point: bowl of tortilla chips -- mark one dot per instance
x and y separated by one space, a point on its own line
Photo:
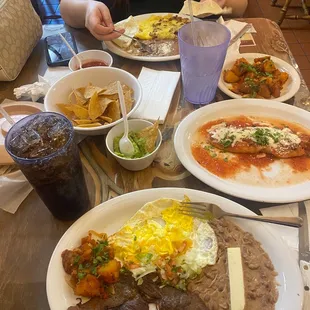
89 98
146 139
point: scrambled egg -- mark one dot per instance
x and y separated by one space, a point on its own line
160 27
157 237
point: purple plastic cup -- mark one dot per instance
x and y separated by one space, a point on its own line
202 65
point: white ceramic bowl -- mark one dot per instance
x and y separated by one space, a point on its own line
98 76
91 55
135 164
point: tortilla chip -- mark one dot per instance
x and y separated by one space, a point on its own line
79 111
111 89
83 121
89 125
94 107
81 90
90 90
79 97
128 92
65 109
113 111
107 119
150 135
104 102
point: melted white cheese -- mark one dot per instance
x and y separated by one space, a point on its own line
284 137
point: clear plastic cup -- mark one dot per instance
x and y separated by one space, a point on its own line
43 147
202 65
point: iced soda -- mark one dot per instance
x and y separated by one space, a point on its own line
43 147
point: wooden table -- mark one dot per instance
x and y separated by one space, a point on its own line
28 237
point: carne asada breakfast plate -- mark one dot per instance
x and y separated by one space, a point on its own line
254 149
110 216
164 41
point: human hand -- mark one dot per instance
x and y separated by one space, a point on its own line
99 22
221 3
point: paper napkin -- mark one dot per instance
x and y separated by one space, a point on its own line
157 88
55 74
205 8
288 234
14 188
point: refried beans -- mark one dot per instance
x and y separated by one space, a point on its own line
212 285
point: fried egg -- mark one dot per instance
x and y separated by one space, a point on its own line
159 238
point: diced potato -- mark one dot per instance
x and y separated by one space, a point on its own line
275 90
261 59
230 77
264 91
88 287
110 271
238 68
269 66
283 77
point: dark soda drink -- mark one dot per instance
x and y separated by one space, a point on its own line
43 147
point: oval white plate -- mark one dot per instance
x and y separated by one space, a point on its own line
111 215
290 88
120 52
237 107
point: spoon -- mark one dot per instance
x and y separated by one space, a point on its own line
72 51
9 121
125 145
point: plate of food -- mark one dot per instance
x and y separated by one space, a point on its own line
254 75
250 148
137 251
156 30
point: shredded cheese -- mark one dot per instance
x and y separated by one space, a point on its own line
262 135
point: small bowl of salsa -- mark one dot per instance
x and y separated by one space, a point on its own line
91 58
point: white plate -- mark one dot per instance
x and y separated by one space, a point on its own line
237 107
111 215
290 88
120 52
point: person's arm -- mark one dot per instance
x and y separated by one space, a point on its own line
90 14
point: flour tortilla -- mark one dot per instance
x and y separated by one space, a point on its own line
131 28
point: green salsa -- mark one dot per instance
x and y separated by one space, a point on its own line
139 145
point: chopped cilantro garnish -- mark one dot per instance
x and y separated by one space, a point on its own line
93 270
81 275
135 238
80 267
76 259
226 159
97 249
261 137
104 242
144 258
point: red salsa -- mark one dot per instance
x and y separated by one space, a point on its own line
93 63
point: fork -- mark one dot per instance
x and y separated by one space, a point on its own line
208 211
142 45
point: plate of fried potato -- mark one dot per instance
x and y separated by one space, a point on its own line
89 98
254 75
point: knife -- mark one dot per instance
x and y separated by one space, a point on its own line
304 253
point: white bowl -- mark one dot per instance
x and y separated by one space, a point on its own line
98 76
91 55
133 164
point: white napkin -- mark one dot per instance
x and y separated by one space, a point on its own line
205 8
158 88
288 234
234 27
33 91
14 188
55 74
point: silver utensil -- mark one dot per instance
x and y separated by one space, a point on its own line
207 211
142 45
240 34
304 252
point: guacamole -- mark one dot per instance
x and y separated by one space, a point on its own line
139 145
